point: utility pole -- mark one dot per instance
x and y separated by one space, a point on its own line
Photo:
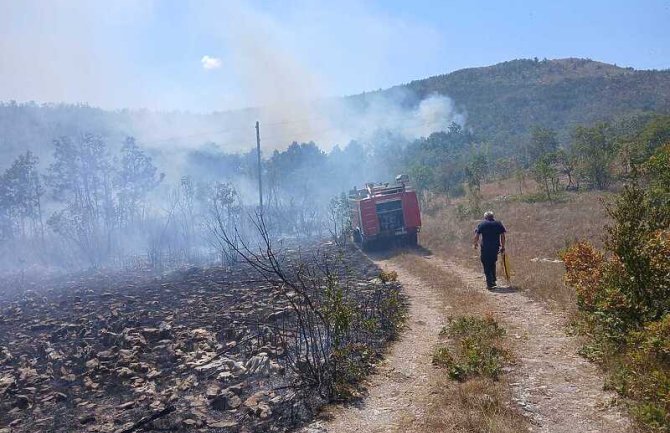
260 171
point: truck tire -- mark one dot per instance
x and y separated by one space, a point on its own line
412 239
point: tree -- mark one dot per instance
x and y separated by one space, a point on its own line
223 221
81 177
20 198
543 141
476 171
595 150
545 174
339 219
135 179
567 163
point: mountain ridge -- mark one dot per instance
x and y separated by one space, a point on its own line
502 102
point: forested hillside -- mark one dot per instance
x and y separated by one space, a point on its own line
503 102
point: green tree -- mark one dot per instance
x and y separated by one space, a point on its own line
20 198
543 141
544 173
136 177
595 149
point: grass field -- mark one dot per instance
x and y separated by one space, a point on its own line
537 231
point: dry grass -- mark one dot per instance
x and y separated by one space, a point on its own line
479 404
450 286
536 233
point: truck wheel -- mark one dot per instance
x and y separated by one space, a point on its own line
357 236
412 239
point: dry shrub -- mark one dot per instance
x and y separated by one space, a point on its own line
584 271
386 276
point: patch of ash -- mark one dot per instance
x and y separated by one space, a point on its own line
100 353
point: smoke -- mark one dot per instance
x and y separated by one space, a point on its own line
278 67
288 65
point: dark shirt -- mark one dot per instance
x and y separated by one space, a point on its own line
490 232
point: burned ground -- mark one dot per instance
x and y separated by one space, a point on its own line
203 347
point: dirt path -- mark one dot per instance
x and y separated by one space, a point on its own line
401 388
559 390
554 386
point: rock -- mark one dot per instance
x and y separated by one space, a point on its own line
258 364
256 405
127 405
216 424
218 364
212 391
6 381
23 402
277 315
235 389
106 355
152 374
193 421
263 411
90 384
224 376
226 401
151 334
236 367
87 419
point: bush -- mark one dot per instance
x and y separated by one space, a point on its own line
477 348
583 264
624 295
388 276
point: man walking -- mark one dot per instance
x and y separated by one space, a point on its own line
492 234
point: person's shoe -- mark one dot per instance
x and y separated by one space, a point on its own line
491 288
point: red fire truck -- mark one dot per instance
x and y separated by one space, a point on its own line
384 212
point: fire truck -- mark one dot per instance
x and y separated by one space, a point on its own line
384 213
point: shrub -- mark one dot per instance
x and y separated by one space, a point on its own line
583 264
624 296
477 348
388 276
642 373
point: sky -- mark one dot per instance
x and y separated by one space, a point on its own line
204 55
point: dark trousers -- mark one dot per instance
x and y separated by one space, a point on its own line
489 259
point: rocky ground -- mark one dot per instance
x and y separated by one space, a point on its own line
197 349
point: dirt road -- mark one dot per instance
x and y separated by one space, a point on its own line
552 385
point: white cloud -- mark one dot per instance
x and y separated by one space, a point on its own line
210 62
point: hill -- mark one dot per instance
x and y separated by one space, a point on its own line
503 101
500 103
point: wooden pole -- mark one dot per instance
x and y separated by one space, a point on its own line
260 168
